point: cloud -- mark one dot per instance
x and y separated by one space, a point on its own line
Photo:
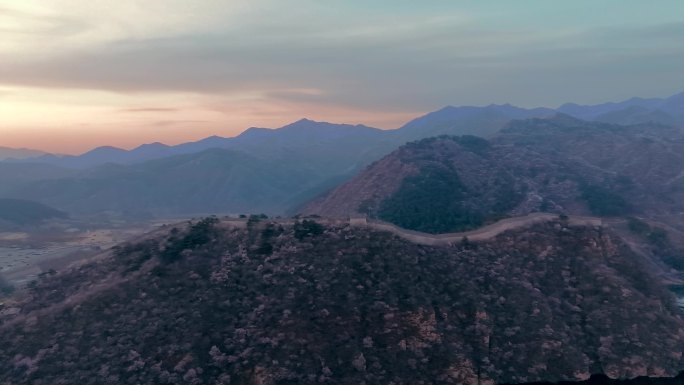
149 109
165 123
25 23
389 61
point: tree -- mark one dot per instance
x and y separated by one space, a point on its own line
5 287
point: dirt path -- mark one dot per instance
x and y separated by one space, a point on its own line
481 234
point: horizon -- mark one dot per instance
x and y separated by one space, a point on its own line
240 131
77 75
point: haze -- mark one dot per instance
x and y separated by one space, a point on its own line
75 74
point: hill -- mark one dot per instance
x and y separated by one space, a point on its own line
23 212
635 110
13 175
212 181
277 303
468 120
557 164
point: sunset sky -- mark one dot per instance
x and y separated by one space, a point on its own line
75 74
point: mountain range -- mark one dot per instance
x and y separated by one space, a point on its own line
481 121
321 300
274 171
19 153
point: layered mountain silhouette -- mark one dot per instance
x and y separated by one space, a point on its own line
659 110
303 133
276 170
450 120
22 212
18 153
300 301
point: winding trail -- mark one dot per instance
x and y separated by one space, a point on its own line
482 233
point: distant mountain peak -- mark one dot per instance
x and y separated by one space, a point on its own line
155 145
103 149
305 120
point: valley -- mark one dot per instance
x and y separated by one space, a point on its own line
25 256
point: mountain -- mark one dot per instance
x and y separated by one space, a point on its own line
559 164
305 303
212 181
448 184
23 212
480 121
636 115
467 120
273 171
260 171
18 153
659 110
106 154
13 175
299 135
316 155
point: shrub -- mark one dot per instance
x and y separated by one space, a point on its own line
307 228
602 201
5 287
431 202
637 226
198 235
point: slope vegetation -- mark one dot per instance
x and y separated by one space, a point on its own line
23 212
559 165
272 303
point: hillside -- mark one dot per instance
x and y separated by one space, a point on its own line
23 212
259 171
213 181
281 303
13 175
557 164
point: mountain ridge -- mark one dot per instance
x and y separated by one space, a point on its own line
455 120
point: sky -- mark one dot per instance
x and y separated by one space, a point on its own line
76 74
